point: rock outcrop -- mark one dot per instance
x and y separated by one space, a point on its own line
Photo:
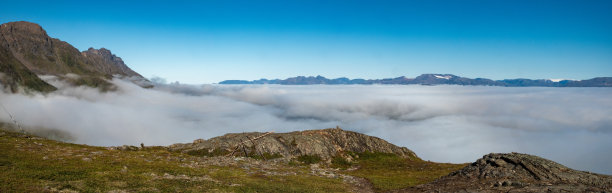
325 143
106 62
26 51
515 172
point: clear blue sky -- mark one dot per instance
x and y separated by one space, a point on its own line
210 41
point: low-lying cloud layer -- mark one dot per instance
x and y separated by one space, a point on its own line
572 126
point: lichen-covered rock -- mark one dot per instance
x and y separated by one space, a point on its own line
516 172
325 143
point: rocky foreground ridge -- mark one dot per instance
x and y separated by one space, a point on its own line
325 143
349 162
510 172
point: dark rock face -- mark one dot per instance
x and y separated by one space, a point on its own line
106 62
517 172
325 143
27 51
14 68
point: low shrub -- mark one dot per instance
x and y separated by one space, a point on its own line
309 159
340 162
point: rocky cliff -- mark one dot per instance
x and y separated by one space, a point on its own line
26 51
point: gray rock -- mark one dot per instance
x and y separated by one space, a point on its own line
515 172
325 143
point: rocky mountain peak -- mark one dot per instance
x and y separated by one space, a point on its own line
23 27
108 63
104 54
435 77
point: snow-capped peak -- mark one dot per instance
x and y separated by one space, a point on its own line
443 77
557 79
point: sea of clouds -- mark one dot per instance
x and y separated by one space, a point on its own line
572 126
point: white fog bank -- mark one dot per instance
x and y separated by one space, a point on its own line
572 126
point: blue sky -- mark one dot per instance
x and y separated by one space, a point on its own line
211 41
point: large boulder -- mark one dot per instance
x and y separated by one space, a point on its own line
516 172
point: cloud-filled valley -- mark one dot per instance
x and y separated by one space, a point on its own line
572 126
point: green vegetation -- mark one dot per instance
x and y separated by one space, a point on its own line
208 152
309 159
222 152
387 171
31 164
340 162
94 82
265 156
15 74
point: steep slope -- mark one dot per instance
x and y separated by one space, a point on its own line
26 49
13 74
515 172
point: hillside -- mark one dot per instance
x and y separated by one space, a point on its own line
33 164
27 52
325 143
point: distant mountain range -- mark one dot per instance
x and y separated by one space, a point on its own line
434 79
27 53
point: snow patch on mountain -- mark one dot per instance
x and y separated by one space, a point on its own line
443 77
557 79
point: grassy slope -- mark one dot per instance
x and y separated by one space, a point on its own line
27 166
14 73
390 172
32 164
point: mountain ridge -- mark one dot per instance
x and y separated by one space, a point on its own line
433 79
27 51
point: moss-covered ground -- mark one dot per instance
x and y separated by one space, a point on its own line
34 164
390 172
